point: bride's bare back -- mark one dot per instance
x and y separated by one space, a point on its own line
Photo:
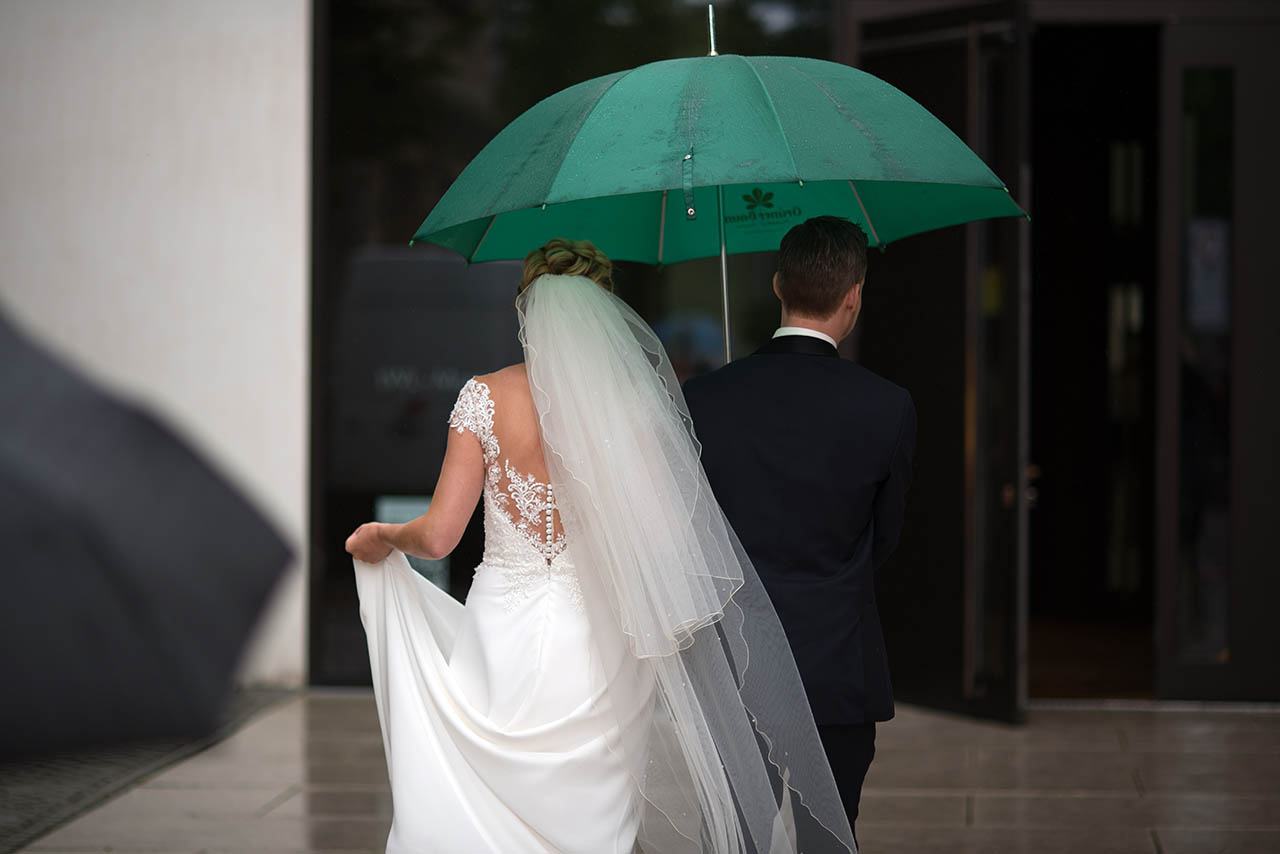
515 420
515 466
493 437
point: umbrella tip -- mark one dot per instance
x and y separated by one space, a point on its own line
711 28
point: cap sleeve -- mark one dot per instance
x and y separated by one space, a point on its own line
473 411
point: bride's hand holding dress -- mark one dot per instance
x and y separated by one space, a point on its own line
436 533
366 544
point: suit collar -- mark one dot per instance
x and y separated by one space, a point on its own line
803 344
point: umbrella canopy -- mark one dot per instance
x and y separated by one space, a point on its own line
133 573
691 158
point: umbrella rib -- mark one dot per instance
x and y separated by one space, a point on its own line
483 237
662 227
586 117
883 154
866 216
795 170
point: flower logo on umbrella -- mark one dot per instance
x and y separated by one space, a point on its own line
757 199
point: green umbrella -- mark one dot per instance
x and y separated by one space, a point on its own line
715 155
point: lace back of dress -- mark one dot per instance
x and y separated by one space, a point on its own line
515 473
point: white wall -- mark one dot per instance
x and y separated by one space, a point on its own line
154 206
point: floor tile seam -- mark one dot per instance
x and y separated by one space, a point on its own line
102 830
169 849
1241 753
287 793
1021 749
261 717
1067 704
983 828
316 786
979 827
961 791
1144 739
251 758
1207 828
1216 828
1215 798
1140 783
384 818
1162 746
1125 794
216 759
187 785
270 772
988 824
345 819
338 692
1235 793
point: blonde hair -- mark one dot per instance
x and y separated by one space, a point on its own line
568 258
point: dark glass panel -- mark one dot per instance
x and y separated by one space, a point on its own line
1204 509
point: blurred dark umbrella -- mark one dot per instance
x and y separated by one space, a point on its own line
133 572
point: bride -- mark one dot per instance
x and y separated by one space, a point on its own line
617 680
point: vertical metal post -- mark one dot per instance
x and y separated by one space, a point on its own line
1022 588
974 565
724 260
724 273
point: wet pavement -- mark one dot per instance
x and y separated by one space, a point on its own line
309 775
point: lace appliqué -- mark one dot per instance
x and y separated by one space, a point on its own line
524 581
474 411
524 547
535 503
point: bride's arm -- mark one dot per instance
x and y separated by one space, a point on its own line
435 533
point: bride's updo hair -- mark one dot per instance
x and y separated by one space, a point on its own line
568 258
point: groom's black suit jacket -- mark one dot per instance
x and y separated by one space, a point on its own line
810 457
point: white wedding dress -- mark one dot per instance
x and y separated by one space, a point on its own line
496 717
618 678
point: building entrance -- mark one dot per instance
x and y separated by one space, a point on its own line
1094 273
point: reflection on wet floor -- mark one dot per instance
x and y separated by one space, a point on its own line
310 775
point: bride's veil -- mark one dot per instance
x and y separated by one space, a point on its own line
710 707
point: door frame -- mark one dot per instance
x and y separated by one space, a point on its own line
1223 43
917 24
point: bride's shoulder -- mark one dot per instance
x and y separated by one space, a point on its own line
506 380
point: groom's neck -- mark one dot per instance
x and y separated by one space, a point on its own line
833 326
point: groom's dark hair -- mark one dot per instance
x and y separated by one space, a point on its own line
818 261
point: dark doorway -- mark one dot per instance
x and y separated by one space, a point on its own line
944 318
1095 92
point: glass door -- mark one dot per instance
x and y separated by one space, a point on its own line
1217 467
946 316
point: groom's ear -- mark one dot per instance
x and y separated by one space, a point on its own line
776 292
854 297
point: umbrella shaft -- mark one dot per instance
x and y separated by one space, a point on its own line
724 274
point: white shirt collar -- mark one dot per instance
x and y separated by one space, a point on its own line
804 330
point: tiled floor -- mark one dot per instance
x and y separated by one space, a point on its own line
309 775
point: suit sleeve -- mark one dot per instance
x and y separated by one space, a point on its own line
891 497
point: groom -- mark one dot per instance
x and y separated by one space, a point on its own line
810 457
